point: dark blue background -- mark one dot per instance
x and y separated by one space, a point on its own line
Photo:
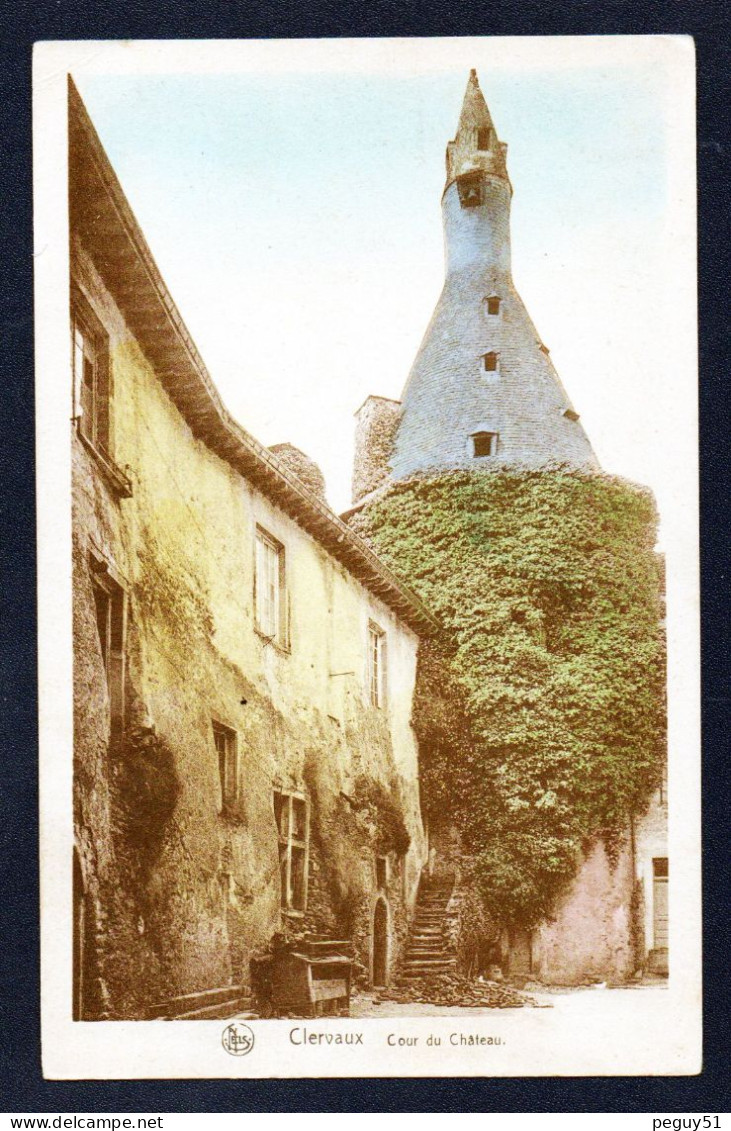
21 23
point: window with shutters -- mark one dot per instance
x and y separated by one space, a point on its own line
291 813
90 363
224 740
109 606
270 593
376 665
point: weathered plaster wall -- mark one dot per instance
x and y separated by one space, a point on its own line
188 893
591 936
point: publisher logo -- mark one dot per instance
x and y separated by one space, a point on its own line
237 1039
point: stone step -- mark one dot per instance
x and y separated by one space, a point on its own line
427 964
412 975
425 955
237 1007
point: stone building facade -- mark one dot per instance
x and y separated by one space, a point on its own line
484 396
243 668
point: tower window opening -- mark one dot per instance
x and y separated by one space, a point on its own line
484 444
492 304
490 362
470 190
483 138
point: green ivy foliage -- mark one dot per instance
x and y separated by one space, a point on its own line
541 709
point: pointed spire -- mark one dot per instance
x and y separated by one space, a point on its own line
475 145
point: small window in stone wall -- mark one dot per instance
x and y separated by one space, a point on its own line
224 739
292 819
270 589
484 444
490 362
111 623
90 364
377 665
492 305
382 872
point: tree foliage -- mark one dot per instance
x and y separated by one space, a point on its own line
540 710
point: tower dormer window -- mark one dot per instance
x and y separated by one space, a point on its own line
483 138
492 305
484 444
490 362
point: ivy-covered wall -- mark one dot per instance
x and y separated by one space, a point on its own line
541 710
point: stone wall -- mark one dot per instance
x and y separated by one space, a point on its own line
591 937
304 468
179 894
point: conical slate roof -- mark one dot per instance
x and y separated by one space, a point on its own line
483 392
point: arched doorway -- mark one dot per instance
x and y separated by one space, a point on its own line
380 943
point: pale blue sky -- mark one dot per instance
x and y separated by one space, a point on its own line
296 219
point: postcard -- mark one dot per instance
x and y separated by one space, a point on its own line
368 557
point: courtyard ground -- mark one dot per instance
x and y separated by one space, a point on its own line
577 1002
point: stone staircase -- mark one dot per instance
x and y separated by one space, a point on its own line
427 952
205 1005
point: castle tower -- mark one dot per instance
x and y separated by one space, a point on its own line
482 390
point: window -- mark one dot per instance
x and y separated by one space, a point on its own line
492 305
292 818
90 362
483 138
376 665
469 188
490 362
269 586
110 611
224 739
660 867
382 872
484 444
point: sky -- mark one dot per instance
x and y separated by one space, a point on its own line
290 193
